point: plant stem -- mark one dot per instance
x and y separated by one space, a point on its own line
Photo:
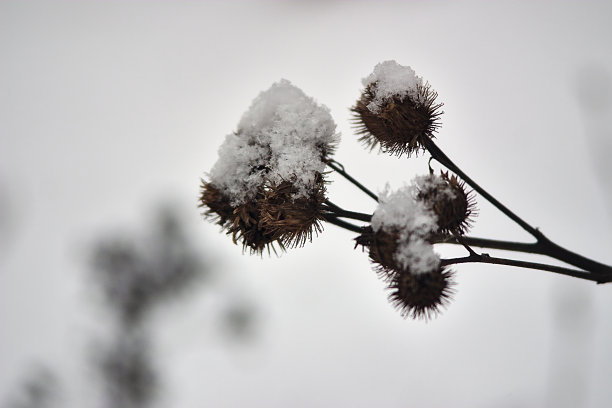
485 258
543 246
339 168
439 155
339 212
494 244
342 224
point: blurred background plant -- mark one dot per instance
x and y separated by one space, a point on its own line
133 275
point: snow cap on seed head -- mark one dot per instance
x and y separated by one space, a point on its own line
267 185
396 110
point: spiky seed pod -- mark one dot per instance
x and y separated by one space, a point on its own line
452 203
402 124
421 296
382 247
289 218
241 222
247 228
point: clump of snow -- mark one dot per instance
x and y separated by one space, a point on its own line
391 79
400 212
432 182
282 137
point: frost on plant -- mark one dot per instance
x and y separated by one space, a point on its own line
267 189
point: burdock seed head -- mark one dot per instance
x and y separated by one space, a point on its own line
241 221
396 111
449 200
421 296
291 219
267 185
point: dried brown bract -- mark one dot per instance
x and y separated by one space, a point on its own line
241 222
402 123
217 205
289 218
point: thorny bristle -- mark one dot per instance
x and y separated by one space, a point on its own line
247 228
402 124
217 205
421 296
292 221
454 212
241 222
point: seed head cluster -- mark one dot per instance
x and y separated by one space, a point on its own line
267 190
400 239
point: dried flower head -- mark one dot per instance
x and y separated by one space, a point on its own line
421 296
242 221
448 198
267 185
396 111
405 224
289 219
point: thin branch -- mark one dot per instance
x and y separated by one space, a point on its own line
531 248
599 278
342 224
339 168
339 212
544 247
441 157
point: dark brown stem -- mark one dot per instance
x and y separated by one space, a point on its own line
543 245
485 258
441 157
339 168
341 223
339 212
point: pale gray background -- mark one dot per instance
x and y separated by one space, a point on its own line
106 108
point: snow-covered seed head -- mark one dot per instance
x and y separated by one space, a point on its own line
292 221
449 199
396 111
421 296
267 185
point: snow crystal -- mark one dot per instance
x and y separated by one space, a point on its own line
280 138
391 79
401 212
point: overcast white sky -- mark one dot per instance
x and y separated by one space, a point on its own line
108 108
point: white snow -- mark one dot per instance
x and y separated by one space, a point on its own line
391 79
400 211
279 138
434 182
